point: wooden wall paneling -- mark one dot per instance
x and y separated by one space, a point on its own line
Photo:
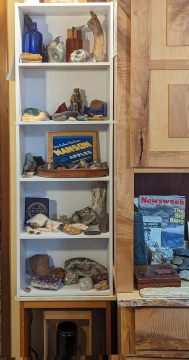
140 35
124 177
178 116
177 22
126 330
4 196
162 329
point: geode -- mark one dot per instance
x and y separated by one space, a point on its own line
48 282
84 267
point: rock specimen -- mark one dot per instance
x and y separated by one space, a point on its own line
84 267
104 223
86 215
79 56
96 278
71 278
86 283
102 285
60 272
40 264
33 114
46 282
56 50
69 229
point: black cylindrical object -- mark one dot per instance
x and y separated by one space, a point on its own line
66 338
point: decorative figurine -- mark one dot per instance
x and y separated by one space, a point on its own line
98 46
76 100
56 50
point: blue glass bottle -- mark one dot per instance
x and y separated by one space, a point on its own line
33 40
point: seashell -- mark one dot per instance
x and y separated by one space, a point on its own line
71 118
53 225
37 221
29 230
56 50
79 56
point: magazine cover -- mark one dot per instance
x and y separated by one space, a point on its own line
172 211
152 231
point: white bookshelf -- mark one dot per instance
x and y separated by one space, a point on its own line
45 86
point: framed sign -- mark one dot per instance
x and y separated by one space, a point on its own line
71 147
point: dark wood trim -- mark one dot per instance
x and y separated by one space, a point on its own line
4 195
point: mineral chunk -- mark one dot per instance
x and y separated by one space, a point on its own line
102 285
72 230
50 282
86 283
71 278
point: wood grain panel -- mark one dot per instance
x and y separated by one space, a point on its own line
178 115
177 22
124 182
126 330
140 12
181 64
161 329
169 159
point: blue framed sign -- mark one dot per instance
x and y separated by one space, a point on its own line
71 147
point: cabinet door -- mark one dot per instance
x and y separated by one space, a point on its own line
161 329
159 126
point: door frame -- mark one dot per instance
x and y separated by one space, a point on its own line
4 187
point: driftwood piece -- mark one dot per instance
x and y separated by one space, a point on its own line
98 196
98 46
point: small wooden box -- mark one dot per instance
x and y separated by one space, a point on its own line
83 320
160 275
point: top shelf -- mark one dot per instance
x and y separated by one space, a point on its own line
64 9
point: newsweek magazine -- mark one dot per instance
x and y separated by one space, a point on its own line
172 211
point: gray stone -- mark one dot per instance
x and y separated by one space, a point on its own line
176 261
184 274
86 283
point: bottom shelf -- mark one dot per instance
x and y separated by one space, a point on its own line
63 290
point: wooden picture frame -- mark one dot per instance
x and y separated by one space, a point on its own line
72 146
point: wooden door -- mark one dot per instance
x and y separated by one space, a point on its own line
159 97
